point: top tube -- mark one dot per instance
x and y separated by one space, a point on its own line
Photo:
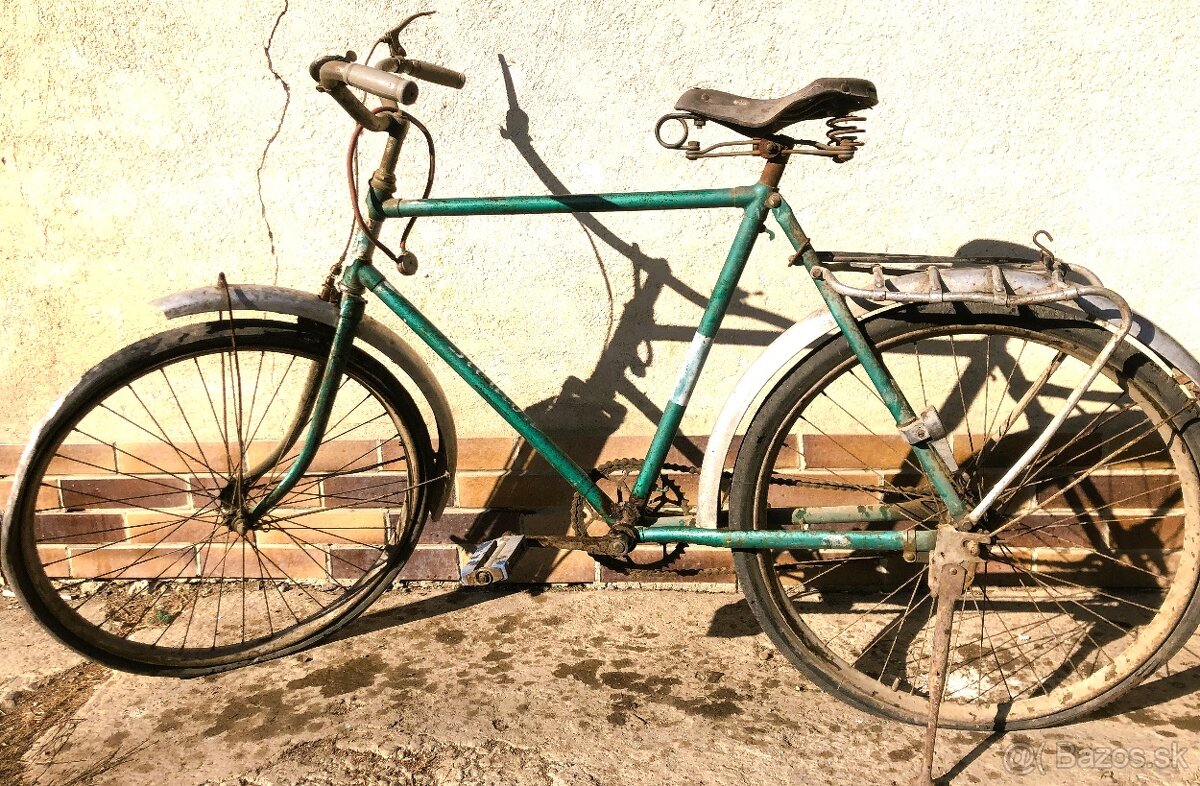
741 196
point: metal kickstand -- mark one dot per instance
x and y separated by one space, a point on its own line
951 570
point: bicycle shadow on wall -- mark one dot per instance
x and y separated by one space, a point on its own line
603 399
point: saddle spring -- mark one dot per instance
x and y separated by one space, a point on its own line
843 136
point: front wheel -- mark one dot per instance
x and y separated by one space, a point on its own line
1089 582
128 538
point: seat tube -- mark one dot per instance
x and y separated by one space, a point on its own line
879 374
735 262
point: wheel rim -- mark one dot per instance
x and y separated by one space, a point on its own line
138 541
1065 608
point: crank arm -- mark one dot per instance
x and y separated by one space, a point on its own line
611 545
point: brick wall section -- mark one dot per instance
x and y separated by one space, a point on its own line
501 488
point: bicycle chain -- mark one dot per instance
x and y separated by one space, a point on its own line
578 520
579 505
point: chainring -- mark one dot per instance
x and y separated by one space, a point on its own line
617 478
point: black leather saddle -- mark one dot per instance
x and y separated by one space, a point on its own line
760 117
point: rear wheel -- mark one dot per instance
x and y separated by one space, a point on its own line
1090 581
127 535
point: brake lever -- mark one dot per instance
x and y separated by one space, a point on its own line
392 37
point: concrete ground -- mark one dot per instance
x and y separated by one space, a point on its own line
558 687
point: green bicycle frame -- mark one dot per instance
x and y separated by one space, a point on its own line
756 202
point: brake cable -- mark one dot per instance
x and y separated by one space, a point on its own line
351 158
329 291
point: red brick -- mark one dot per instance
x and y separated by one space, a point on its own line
431 565
70 460
512 491
1107 445
47 499
1153 531
856 451
460 526
1157 492
304 495
553 566
79 528
349 563
336 456
783 495
154 528
546 523
514 455
486 453
127 493
323 527
133 562
1132 568
1047 529
160 458
210 457
691 564
438 564
395 454
365 491
82 459
10 456
278 562
55 561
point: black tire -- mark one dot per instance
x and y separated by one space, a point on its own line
125 535
1065 597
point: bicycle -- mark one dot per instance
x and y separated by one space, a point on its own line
922 549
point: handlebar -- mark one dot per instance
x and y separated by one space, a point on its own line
333 74
378 83
433 73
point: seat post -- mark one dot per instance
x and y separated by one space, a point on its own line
773 171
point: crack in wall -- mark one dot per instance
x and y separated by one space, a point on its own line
287 100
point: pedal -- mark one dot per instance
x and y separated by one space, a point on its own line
492 560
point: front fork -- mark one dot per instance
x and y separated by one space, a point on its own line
350 315
320 389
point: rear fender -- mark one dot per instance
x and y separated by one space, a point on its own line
797 342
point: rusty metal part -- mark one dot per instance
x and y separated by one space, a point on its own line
952 566
844 137
666 498
617 543
927 427
392 37
771 175
843 141
683 118
1047 256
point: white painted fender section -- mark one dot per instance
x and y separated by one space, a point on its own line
794 344
295 303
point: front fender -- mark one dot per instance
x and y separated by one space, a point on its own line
794 344
295 303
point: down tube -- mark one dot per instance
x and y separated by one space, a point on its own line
503 405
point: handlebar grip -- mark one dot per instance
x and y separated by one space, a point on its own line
376 82
434 73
